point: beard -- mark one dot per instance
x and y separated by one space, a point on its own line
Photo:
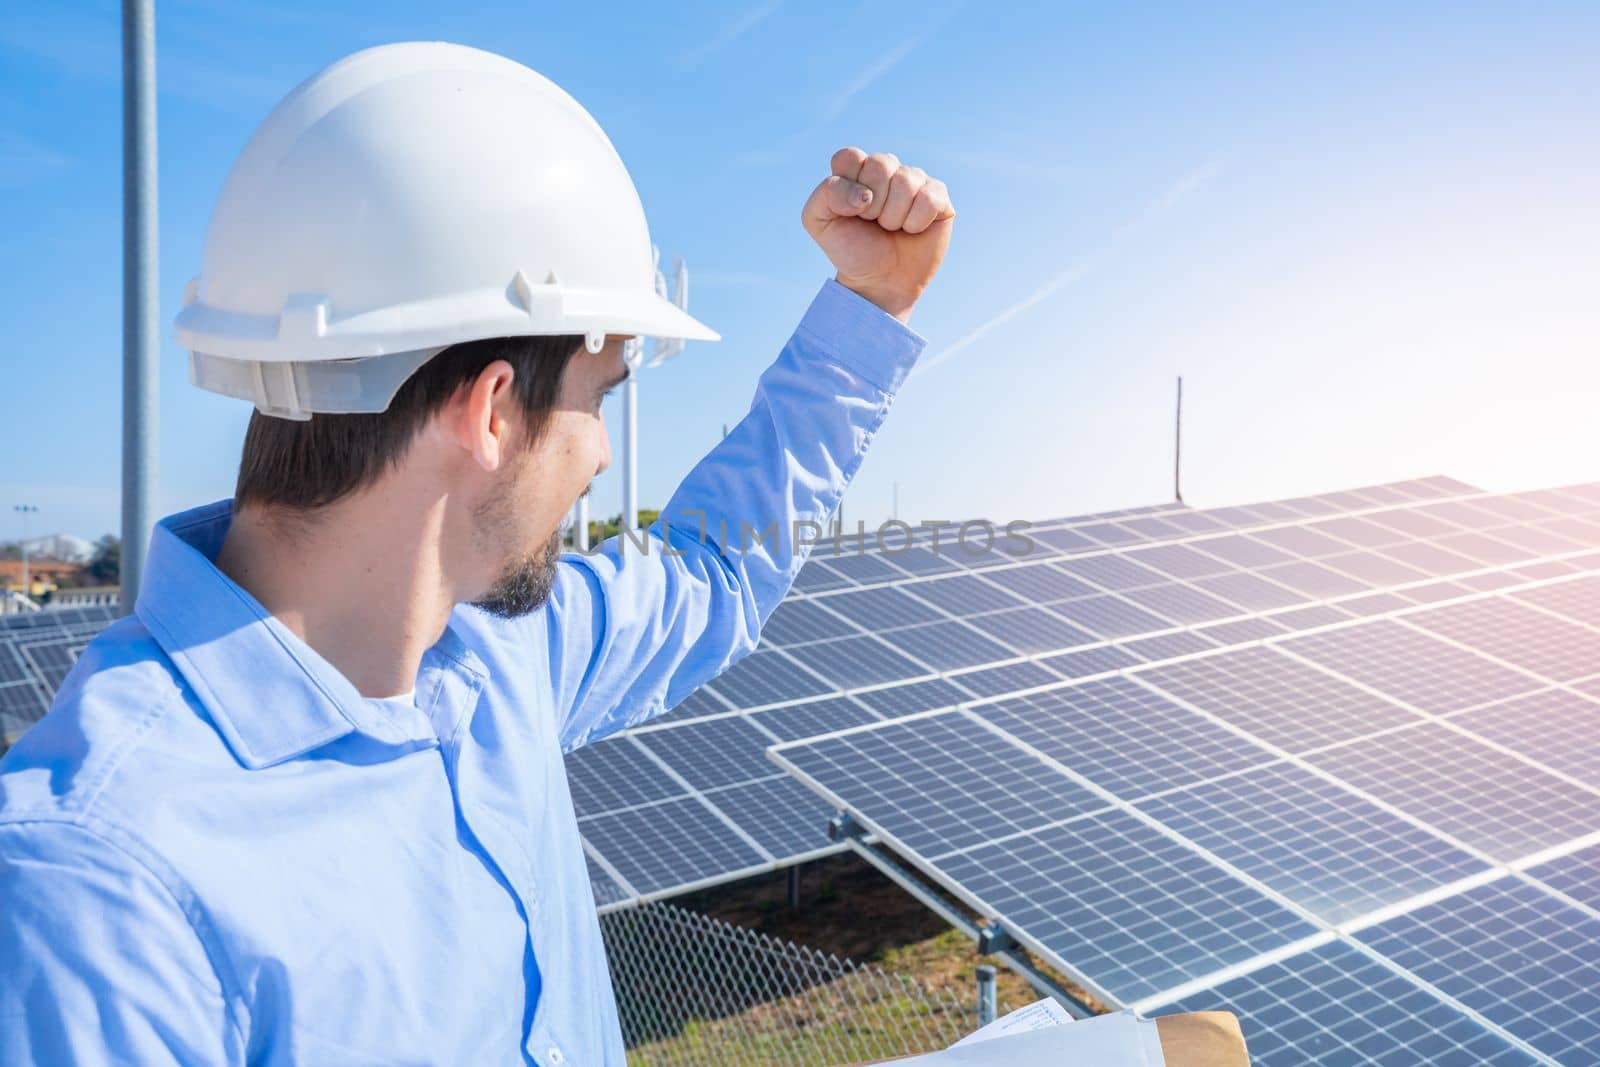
525 583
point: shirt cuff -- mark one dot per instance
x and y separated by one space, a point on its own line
861 336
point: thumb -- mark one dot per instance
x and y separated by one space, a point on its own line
834 197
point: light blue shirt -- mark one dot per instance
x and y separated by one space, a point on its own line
214 850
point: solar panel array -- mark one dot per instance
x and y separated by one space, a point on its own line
872 632
37 649
1367 819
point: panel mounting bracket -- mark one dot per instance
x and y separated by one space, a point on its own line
993 938
842 827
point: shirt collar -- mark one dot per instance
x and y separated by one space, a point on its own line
271 695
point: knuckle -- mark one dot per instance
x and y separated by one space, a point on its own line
849 156
904 179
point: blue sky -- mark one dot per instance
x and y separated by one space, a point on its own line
1366 237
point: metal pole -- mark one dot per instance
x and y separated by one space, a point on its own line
1177 448
140 298
986 1002
632 351
581 536
794 888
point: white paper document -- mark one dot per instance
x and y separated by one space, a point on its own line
1043 1035
1036 1016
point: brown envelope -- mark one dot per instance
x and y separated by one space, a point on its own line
1202 1039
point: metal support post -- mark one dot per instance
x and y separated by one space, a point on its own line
140 296
986 1000
794 888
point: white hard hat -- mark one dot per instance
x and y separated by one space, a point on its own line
405 199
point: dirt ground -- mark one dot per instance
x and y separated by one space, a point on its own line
850 909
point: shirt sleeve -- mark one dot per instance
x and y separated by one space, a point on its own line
639 624
98 963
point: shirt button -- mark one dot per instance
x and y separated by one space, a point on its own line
555 1056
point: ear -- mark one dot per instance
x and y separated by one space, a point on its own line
483 419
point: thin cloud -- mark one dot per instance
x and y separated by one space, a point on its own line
1164 202
731 33
883 65
1060 281
1179 191
836 107
24 161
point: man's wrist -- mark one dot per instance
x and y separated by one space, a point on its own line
895 303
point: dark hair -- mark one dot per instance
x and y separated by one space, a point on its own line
310 464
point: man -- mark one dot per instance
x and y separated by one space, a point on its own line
308 804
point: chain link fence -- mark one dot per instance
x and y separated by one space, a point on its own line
696 990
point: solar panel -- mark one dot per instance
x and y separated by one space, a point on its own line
1111 572
780 814
940 783
823 716
1040 583
851 662
880 609
1124 737
1242 550
1557 728
1008 678
1521 958
963 594
1168 646
1487 798
1031 629
1277 698
1087 661
796 622
767 677
710 753
1179 561
1410 666
1522 636
1320 845
1135 911
671 845
1181 603
1311 617
1250 592
1577 874
607 890
914 697
947 645
1334 1006
615 774
1313 580
1110 616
